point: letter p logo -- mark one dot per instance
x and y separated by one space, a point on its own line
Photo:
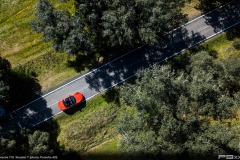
221 156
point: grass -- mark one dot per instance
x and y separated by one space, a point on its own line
108 147
87 125
106 150
220 46
24 48
93 123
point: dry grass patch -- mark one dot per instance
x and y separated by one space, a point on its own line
82 133
51 79
106 150
88 125
190 10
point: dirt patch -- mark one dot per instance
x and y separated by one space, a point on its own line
86 153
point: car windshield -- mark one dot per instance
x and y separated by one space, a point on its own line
69 101
73 99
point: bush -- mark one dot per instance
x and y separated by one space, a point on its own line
236 43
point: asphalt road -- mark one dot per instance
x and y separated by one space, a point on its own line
125 67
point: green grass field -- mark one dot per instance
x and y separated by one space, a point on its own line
221 46
107 149
24 48
88 125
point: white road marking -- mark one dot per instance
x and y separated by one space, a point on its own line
147 68
119 57
78 78
124 55
198 17
115 59
47 119
31 113
166 59
199 42
35 112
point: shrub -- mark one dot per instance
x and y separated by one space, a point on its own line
236 43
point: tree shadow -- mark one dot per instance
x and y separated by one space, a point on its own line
100 56
125 67
207 48
117 71
23 88
233 33
82 62
209 5
224 17
112 95
25 107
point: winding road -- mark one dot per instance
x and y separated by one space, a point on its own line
124 67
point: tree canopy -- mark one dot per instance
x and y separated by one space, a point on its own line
4 87
179 112
107 23
206 5
24 142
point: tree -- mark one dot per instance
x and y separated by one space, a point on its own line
107 23
236 43
214 140
39 143
139 140
206 5
3 91
4 87
14 142
231 75
181 111
24 142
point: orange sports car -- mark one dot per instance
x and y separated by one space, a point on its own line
70 101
